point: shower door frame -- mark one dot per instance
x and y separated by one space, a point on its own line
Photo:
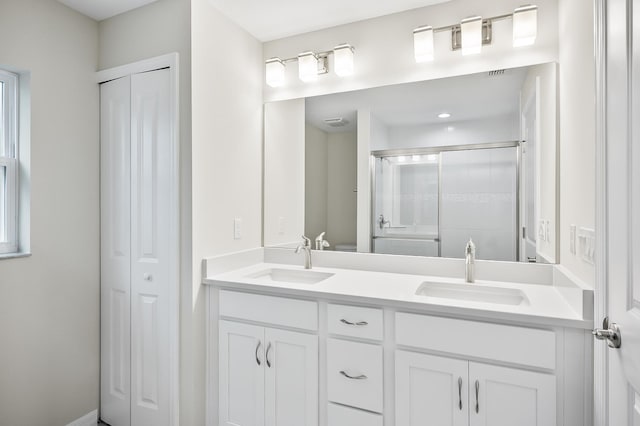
437 150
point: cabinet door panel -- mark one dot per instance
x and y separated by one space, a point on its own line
430 390
507 397
241 349
291 378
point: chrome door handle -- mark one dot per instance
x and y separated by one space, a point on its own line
477 392
359 323
257 349
609 332
348 376
266 355
460 393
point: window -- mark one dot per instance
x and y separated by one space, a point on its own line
8 162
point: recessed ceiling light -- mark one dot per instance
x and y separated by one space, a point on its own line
444 115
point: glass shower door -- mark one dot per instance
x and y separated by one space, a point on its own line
406 205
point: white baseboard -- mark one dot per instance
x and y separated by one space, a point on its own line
90 419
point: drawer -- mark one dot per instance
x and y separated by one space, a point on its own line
355 321
520 345
354 374
282 311
339 415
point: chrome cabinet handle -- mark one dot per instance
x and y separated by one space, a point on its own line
477 391
359 323
460 393
360 377
257 349
266 355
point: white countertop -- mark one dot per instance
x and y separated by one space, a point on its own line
546 305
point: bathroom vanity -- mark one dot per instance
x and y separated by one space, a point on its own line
355 342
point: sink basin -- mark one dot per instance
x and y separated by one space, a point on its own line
473 293
291 276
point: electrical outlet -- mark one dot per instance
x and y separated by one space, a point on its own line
547 230
237 228
572 239
542 232
587 238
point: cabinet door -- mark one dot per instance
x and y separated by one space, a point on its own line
430 390
241 349
291 378
500 396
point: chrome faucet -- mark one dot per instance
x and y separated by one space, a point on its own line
306 246
470 262
321 243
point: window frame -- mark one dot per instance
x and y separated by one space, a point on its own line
9 160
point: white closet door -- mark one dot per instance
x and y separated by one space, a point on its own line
151 161
115 270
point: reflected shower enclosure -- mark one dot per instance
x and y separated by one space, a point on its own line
431 201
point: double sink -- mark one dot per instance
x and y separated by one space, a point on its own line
459 291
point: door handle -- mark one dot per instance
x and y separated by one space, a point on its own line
477 392
609 332
266 355
257 349
460 393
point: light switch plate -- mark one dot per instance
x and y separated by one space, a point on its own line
281 225
237 228
587 239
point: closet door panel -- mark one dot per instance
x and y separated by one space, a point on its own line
150 246
115 268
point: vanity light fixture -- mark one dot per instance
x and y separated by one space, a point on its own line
307 67
274 72
525 25
423 44
311 64
343 59
472 33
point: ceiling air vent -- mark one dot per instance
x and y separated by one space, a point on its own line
496 73
335 122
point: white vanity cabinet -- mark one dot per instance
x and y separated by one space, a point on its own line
461 392
283 361
452 392
267 376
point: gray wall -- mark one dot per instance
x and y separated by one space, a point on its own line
49 302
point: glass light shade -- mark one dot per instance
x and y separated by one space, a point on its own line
307 67
423 44
274 72
525 25
471 37
343 60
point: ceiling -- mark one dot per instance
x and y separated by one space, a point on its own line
273 19
103 9
470 97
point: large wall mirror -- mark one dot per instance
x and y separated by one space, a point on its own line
419 168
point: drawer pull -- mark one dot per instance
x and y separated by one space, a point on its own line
257 349
460 393
360 377
477 391
359 323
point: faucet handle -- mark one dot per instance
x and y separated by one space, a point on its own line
470 247
306 241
